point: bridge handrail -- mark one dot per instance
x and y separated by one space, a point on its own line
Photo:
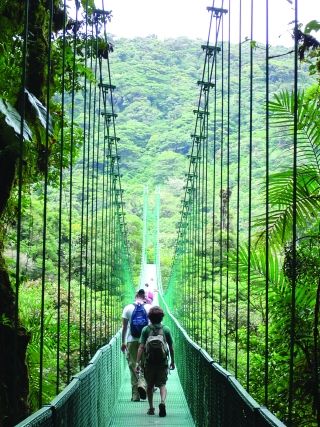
213 394
91 395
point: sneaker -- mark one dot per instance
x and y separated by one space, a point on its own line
150 411
162 410
135 398
142 392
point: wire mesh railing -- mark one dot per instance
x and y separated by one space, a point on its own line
90 397
214 396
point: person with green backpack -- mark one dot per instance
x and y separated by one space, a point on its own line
155 345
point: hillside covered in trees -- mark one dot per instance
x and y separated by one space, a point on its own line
156 94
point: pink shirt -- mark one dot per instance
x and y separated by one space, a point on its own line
149 297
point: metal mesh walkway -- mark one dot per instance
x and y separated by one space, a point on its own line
135 413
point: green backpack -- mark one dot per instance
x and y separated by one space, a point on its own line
156 347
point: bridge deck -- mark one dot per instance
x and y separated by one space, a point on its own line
135 413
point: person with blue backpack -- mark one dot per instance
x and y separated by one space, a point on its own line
134 319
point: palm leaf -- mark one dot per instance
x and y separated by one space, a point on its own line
282 110
281 185
279 286
259 274
281 210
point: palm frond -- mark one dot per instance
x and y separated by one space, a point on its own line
256 270
278 225
282 110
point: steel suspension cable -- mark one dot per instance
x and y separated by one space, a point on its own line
250 196
104 245
87 117
294 223
70 219
228 191
59 272
220 196
91 193
238 190
95 191
83 230
213 273
102 192
19 198
266 368
107 121
45 212
205 220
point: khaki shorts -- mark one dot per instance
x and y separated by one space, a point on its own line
155 375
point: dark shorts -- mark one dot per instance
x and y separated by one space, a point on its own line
155 375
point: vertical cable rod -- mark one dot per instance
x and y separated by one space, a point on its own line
266 366
221 197
70 222
238 191
91 167
249 196
45 211
20 195
60 207
95 181
294 222
228 192
83 237
87 129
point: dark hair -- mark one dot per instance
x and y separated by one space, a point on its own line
156 314
141 293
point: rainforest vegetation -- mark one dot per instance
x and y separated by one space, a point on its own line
156 93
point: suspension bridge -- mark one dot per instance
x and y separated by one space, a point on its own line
100 394
228 280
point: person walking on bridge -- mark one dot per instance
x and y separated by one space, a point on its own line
154 343
134 318
149 294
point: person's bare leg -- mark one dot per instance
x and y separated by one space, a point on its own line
163 393
150 395
162 406
150 399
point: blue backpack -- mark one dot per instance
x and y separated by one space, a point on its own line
139 320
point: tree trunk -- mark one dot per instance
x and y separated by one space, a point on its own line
14 381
